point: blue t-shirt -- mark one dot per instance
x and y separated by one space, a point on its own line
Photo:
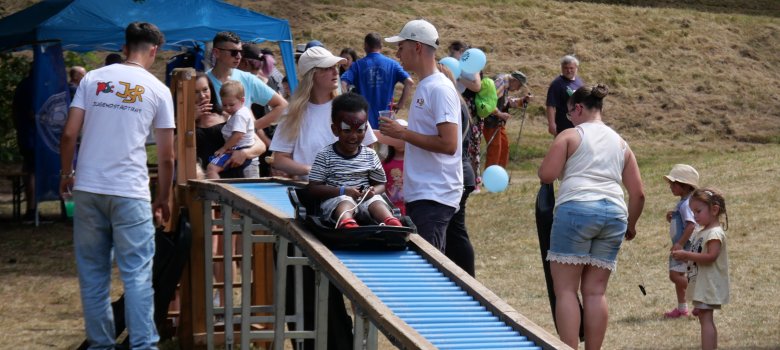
255 90
374 77
558 96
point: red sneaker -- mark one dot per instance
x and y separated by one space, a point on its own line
392 221
676 313
348 223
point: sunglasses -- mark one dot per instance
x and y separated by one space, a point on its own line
233 53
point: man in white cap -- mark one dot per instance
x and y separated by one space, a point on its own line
433 174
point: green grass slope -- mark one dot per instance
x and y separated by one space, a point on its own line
685 72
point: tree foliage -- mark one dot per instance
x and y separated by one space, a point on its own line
12 69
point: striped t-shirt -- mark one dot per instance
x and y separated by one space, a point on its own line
335 169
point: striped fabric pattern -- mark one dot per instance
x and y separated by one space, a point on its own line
336 169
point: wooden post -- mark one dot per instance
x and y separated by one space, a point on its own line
191 293
263 277
192 319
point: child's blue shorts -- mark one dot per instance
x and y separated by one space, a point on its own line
223 158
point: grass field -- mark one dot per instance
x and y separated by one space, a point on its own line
40 292
694 82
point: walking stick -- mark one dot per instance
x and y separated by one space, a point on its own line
517 142
494 134
522 121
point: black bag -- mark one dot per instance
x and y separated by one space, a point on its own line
492 122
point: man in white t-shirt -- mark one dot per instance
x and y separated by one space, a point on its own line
433 172
227 55
114 109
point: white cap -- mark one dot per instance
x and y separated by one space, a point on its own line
317 57
417 30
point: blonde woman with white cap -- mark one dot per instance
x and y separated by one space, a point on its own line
683 179
304 128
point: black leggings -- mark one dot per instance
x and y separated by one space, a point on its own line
458 247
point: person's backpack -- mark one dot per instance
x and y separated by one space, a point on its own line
486 98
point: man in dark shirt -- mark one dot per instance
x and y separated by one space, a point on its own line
375 77
558 95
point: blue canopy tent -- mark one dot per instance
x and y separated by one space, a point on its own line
50 26
95 25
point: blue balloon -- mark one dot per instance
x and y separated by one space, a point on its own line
452 64
495 178
472 61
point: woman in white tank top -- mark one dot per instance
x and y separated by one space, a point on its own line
591 217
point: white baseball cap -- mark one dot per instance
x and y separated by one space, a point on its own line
417 30
318 57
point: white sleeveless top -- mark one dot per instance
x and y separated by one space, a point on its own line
595 169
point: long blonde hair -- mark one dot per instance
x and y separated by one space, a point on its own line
299 102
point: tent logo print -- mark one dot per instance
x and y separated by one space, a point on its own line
105 88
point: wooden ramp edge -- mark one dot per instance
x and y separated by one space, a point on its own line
396 330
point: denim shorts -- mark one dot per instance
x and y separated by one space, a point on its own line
679 265
588 232
678 226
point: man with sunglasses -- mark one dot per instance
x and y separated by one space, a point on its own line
226 54
433 174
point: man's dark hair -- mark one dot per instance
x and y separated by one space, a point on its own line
267 51
373 41
349 102
458 45
225 37
113 58
141 35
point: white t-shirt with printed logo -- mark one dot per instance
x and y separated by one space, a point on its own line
121 104
428 175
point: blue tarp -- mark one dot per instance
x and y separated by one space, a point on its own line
50 99
99 25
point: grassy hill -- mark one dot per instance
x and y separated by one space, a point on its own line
690 71
675 73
